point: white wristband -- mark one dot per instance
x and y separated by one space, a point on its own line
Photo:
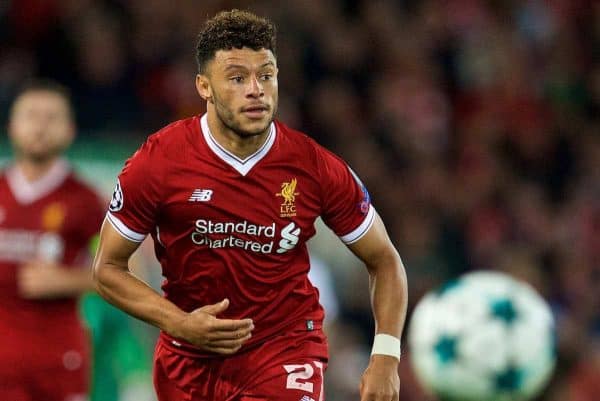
385 344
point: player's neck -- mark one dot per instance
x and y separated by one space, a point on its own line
33 170
234 143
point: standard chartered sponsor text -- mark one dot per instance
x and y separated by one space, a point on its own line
210 234
22 245
203 229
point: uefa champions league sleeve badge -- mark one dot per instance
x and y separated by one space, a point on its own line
116 203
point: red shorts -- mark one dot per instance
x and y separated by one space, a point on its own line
288 367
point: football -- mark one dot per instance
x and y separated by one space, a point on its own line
483 337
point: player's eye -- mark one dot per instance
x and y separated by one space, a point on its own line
237 79
266 77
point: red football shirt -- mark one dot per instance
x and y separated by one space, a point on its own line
224 227
53 219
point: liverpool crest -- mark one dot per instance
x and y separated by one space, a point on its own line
288 193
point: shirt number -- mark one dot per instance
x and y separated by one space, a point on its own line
299 374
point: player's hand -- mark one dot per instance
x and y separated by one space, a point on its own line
41 280
203 329
380 382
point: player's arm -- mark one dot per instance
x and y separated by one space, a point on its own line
39 279
389 298
119 286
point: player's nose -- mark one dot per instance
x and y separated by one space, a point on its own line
255 88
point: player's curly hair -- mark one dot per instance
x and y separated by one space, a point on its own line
234 29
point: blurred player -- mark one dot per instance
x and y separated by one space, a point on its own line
230 199
47 219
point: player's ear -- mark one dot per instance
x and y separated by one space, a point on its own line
68 136
203 87
71 134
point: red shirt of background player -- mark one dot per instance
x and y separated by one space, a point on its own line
52 220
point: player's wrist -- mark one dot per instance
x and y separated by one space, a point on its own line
386 345
174 324
383 365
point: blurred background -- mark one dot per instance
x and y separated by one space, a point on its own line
474 124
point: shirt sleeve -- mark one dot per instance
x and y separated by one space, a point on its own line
94 214
88 227
347 208
134 205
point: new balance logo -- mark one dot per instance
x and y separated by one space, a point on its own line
306 398
201 195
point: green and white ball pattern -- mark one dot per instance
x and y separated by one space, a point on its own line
483 337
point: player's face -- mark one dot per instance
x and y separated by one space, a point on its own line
241 84
40 125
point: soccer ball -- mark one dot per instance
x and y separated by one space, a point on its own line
483 337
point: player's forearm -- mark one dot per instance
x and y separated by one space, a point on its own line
389 293
123 289
76 281
42 280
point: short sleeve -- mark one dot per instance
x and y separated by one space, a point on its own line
94 213
347 208
89 219
136 198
